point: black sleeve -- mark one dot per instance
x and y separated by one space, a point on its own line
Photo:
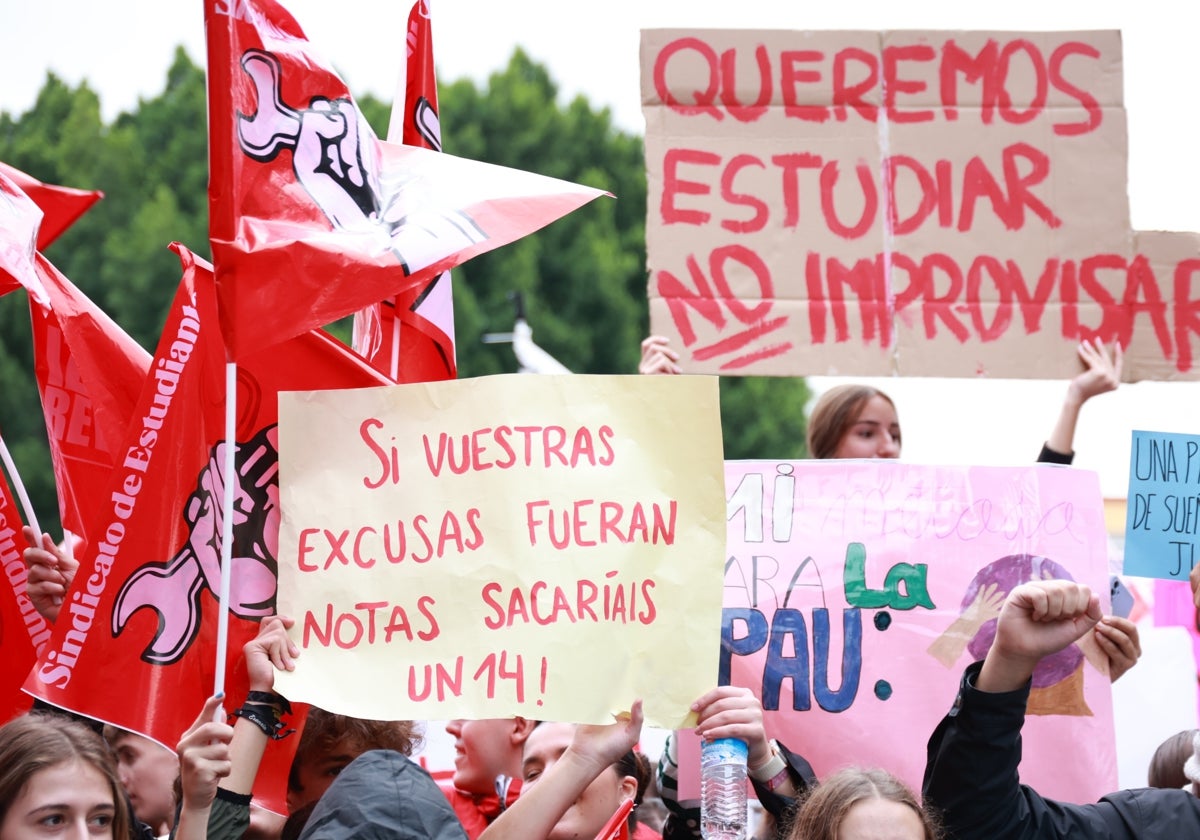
971 781
1051 456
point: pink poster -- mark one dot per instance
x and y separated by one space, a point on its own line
856 592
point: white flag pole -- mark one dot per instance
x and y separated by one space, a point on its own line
229 471
19 487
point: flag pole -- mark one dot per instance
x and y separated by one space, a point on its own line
395 367
395 134
229 472
15 478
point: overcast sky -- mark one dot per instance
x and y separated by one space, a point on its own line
123 51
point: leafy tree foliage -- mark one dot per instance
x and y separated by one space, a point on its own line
582 278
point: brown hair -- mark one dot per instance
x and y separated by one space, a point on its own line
323 730
834 413
1166 767
820 815
39 741
634 764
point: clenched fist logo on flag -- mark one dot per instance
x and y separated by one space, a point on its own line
312 217
173 589
341 172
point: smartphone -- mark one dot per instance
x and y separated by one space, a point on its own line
1122 598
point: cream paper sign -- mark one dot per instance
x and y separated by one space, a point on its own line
545 546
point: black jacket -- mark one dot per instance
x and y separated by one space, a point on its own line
971 779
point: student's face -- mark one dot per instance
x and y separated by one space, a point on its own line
880 819
599 800
147 772
874 434
311 777
483 750
69 801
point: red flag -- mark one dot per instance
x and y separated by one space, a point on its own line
61 206
311 216
422 321
89 370
135 643
23 633
19 220
90 373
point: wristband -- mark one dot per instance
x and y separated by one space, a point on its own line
778 780
770 771
265 718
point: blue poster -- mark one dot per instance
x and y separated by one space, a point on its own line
1162 518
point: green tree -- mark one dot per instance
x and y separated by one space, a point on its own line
582 278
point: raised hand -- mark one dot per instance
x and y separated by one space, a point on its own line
1103 370
50 572
605 744
730 711
658 357
270 651
204 755
1037 619
1118 638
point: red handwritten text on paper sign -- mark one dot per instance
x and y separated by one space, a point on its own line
946 295
898 76
616 602
586 522
502 447
418 540
808 180
371 622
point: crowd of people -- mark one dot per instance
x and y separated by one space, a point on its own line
543 780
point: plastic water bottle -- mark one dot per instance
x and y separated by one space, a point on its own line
723 789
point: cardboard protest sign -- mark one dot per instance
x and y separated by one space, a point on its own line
545 546
1162 525
924 203
856 592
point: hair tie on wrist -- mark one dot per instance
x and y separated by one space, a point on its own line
271 699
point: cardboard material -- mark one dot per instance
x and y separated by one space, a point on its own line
918 203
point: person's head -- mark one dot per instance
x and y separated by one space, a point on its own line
627 778
854 421
147 771
487 749
1191 760
1166 765
862 804
329 742
56 772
